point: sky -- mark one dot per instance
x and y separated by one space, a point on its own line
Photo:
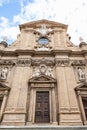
70 12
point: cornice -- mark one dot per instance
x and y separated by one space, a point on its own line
31 52
35 24
62 52
16 52
84 52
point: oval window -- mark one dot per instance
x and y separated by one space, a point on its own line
43 40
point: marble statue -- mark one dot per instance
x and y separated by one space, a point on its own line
4 72
81 74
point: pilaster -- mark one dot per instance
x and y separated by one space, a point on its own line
15 112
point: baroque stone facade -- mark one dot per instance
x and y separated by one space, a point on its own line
43 77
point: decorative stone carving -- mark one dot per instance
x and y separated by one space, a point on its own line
43 31
7 62
42 69
61 62
78 63
78 66
36 72
82 42
47 61
4 72
69 43
43 34
49 72
81 74
43 47
23 62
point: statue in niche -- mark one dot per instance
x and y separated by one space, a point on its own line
4 72
49 72
36 73
81 74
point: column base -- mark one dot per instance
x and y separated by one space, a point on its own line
55 123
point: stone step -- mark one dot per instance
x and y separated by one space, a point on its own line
43 127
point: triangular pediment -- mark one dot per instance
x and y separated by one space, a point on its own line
42 78
82 86
38 23
3 86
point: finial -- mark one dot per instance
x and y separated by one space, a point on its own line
5 38
81 39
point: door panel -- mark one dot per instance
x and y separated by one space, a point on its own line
42 113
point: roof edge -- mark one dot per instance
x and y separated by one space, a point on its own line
34 23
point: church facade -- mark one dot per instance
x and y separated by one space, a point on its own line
43 77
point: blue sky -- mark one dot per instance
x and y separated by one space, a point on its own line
70 12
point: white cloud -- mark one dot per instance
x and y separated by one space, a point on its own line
3 22
10 33
71 12
6 30
4 1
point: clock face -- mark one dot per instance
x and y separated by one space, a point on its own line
43 40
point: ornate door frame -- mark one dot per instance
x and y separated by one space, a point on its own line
41 83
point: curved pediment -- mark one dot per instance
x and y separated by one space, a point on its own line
82 86
4 87
42 79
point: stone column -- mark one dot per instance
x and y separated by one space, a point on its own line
81 108
30 113
50 106
54 113
33 106
3 104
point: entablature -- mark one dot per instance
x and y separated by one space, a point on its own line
48 61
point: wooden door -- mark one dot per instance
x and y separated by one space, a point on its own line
42 113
